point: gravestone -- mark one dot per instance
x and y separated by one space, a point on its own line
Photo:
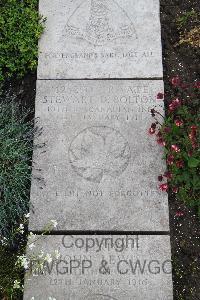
100 39
95 167
118 267
98 167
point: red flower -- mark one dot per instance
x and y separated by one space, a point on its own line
168 175
174 104
151 130
179 214
175 148
194 145
167 129
190 153
159 134
160 96
192 136
177 101
194 127
178 122
184 85
163 187
175 190
197 85
170 159
171 107
176 81
180 164
161 142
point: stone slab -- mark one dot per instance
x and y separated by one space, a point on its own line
100 39
102 268
98 167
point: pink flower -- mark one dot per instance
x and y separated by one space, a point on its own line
170 159
160 96
178 122
184 85
175 190
177 101
176 81
163 187
167 129
174 104
190 153
159 134
161 142
168 175
194 127
175 148
171 107
151 130
197 85
179 214
180 164
193 136
194 145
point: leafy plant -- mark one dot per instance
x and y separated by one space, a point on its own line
183 20
16 261
16 135
189 27
9 275
20 28
179 134
192 37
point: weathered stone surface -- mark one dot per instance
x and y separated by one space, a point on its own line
100 39
103 268
98 168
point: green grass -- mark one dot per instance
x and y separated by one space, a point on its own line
8 274
16 135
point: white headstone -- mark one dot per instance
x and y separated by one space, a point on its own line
102 268
100 39
98 168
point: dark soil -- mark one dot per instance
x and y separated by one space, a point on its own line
185 230
24 91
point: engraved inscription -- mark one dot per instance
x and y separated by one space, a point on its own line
87 39
99 151
100 21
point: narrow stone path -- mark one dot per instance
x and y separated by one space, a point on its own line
96 174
